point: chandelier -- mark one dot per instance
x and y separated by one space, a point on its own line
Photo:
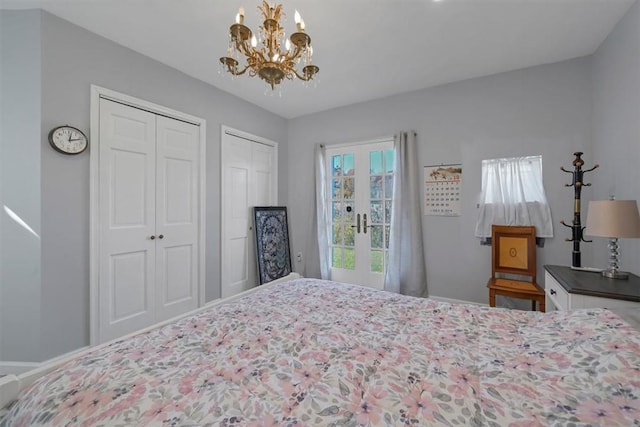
269 61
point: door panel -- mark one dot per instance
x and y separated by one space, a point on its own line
129 186
127 165
176 217
178 191
129 283
177 262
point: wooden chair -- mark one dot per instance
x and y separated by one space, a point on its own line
513 252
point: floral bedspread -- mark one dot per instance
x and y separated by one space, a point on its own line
317 353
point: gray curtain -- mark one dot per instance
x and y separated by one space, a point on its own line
405 272
322 211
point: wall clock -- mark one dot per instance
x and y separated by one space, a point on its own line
68 140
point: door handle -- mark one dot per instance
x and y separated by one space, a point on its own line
365 223
357 226
153 237
161 237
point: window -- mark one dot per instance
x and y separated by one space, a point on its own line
513 194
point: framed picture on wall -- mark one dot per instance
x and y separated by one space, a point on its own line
272 242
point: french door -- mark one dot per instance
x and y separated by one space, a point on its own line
360 189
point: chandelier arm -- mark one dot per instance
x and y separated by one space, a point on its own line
304 78
297 53
237 73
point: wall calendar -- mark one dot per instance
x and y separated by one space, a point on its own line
443 190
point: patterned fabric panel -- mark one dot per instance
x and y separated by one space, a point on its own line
311 352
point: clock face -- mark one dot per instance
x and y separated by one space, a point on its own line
68 140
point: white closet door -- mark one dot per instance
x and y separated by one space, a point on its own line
127 217
176 217
249 179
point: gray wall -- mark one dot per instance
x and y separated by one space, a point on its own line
616 125
542 110
72 59
20 294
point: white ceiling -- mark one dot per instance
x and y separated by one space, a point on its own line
366 49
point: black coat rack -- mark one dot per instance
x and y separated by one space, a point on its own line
576 227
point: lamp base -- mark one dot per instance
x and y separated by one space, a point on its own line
615 274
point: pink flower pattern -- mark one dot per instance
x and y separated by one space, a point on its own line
311 352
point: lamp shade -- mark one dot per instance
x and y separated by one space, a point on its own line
613 218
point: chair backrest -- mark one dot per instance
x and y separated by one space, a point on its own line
513 250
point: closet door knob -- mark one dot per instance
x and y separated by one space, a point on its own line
161 236
152 237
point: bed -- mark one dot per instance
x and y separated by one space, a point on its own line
311 352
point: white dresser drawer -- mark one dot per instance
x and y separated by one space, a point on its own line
556 293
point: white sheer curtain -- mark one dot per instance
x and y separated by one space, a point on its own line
405 271
513 194
322 211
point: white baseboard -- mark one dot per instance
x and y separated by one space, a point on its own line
455 301
17 368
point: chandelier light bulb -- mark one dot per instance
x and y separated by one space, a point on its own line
275 57
287 44
298 20
254 41
240 16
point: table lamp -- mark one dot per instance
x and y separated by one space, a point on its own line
613 219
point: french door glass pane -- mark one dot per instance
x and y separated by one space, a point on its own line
376 187
336 257
387 229
388 187
349 188
337 234
388 161
375 162
377 261
376 237
336 211
348 164
336 163
349 259
349 236
376 212
336 188
387 211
